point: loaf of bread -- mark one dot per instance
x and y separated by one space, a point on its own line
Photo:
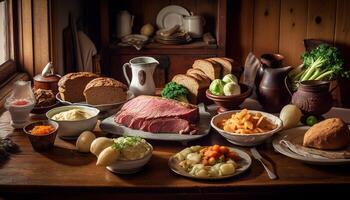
105 91
198 74
225 63
195 87
330 134
210 67
72 85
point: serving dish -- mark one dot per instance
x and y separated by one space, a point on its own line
102 107
296 135
243 164
130 166
110 126
170 16
252 139
41 142
72 129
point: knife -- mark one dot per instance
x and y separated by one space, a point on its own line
257 156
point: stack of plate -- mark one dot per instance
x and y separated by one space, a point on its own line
170 16
176 38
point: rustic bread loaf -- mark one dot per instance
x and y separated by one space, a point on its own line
225 63
194 86
330 134
72 85
198 74
105 91
211 68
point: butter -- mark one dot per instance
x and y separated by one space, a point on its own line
71 115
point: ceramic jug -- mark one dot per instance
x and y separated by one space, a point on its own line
273 94
313 97
142 69
194 25
124 23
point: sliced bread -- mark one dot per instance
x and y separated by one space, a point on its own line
72 85
193 85
210 67
225 63
198 74
105 91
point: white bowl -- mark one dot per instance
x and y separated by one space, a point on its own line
72 129
246 139
130 166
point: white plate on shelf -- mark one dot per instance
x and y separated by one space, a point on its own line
110 126
102 107
295 134
243 164
170 16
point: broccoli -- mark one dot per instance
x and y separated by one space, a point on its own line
322 63
175 91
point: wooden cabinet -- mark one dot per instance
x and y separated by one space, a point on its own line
173 59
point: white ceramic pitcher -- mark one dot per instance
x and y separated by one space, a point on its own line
142 69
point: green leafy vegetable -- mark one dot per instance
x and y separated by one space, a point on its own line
124 142
217 87
175 91
322 63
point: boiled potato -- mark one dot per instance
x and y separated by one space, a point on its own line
290 116
194 158
185 151
108 156
84 141
227 169
202 173
99 144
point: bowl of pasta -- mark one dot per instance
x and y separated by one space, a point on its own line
246 128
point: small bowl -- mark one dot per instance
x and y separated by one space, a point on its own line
72 129
130 166
41 142
232 102
246 139
42 110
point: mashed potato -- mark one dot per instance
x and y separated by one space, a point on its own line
132 148
71 115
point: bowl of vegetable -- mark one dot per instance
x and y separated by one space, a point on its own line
230 102
42 134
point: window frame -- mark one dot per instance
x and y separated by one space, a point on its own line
9 67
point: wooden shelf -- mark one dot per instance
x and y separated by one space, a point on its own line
154 45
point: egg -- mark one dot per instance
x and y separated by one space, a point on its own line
84 141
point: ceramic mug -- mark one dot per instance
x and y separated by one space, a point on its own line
142 69
194 25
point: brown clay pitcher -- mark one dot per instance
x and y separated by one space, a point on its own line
313 97
272 92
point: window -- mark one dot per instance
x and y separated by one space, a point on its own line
4 46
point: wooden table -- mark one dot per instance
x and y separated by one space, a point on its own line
66 173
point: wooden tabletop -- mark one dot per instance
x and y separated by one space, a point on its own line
65 171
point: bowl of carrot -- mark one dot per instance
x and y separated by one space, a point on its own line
42 134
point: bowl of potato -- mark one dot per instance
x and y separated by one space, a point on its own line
246 128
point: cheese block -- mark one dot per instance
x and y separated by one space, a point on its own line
195 87
211 68
105 91
71 86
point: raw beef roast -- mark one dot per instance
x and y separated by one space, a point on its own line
158 115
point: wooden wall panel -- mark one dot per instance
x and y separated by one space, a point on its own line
41 34
321 19
27 37
266 26
293 25
342 40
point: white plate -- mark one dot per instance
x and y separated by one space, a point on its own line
170 16
244 165
110 126
246 139
299 132
102 107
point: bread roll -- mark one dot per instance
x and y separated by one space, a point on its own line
330 134
72 85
